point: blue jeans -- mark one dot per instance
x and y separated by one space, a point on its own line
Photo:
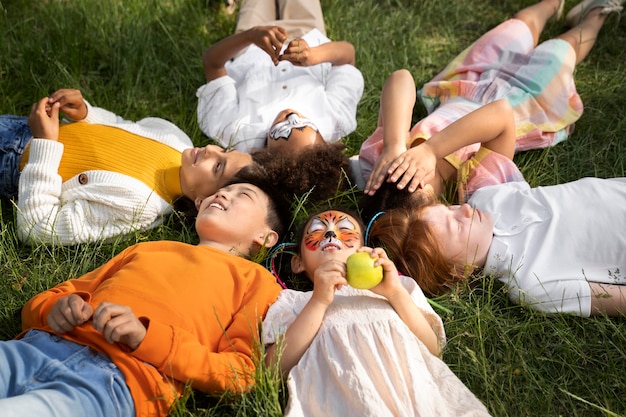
14 136
45 375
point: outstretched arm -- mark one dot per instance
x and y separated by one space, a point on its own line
396 109
492 125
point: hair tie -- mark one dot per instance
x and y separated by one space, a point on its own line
269 261
369 225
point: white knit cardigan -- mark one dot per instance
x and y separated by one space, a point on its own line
102 204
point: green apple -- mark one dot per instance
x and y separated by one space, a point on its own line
361 272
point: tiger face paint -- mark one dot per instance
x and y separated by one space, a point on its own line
332 230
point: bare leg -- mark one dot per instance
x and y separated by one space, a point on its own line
537 15
583 36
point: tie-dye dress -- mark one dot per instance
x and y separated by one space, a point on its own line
538 82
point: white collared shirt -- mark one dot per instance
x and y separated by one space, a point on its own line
549 242
239 108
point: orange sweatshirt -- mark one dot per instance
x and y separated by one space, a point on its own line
201 307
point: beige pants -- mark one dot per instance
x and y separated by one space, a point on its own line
296 16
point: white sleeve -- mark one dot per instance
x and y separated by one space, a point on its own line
280 316
110 204
344 88
217 100
422 303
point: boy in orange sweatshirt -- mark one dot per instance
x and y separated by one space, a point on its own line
126 337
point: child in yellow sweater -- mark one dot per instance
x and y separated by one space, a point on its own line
130 335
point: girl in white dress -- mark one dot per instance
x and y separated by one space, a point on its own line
350 352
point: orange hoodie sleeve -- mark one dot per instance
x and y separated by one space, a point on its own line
179 354
36 310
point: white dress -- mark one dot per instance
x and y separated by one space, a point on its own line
364 361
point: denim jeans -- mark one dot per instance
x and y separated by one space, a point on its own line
14 136
45 375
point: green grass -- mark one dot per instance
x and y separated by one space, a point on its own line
141 58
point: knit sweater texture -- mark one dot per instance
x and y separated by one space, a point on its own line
95 204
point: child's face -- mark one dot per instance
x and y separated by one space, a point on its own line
204 170
464 233
235 217
292 131
331 235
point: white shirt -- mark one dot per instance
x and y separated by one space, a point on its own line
239 108
549 242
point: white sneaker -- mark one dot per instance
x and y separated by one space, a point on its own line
578 13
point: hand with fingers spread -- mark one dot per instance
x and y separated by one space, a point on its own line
381 167
118 323
414 168
71 103
67 313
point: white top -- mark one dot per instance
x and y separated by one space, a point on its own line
108 205
550 241
364 361
238 109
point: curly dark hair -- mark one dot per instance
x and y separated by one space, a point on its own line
321 170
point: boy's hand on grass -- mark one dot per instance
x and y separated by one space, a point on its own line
118 323
67 313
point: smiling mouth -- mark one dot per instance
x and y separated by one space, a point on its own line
217 206
331 244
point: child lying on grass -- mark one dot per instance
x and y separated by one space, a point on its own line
126 338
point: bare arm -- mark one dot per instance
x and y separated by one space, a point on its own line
492 125
299 53
401 301
268 38
608 299
298 337
396 109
